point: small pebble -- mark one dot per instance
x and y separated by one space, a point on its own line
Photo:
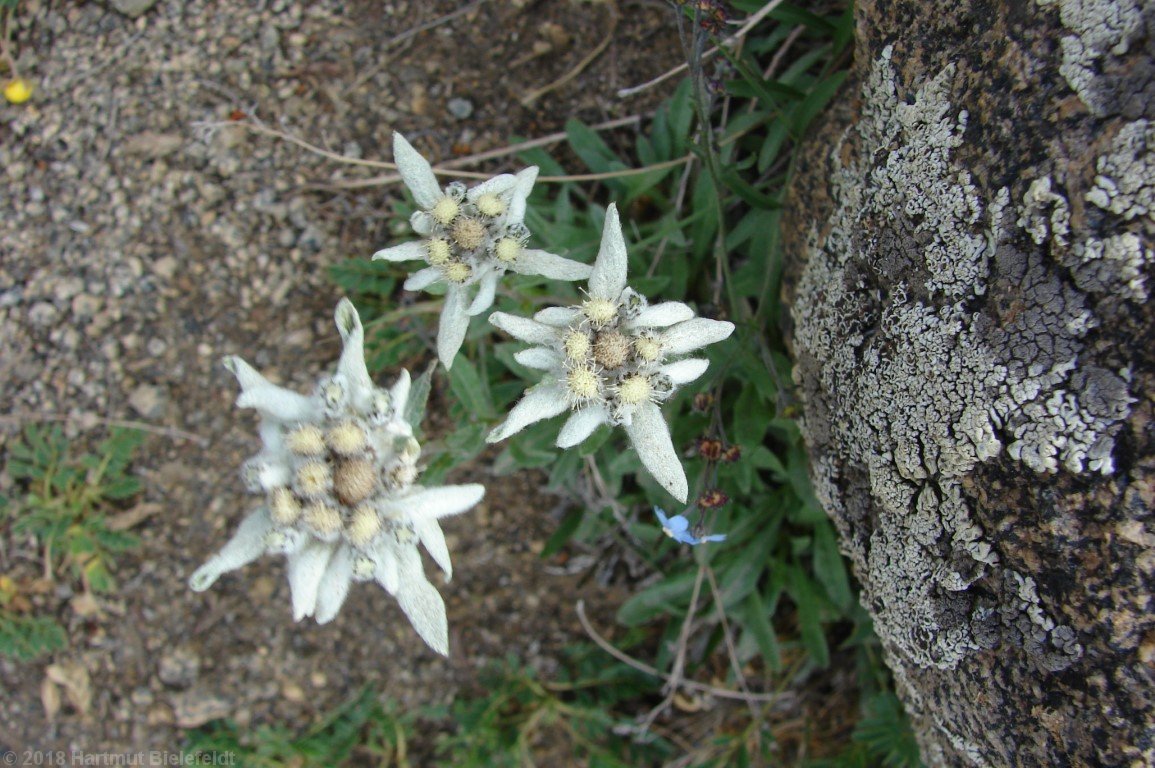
460 108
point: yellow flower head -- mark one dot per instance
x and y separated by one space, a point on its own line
18 90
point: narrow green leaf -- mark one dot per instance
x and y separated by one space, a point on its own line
802 591
419 397
565 531
752 418
589 146
657 600
471 390
805 112
776 135
755 618
830 568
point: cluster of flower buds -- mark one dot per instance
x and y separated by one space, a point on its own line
714 450
470 239
613 359
336 473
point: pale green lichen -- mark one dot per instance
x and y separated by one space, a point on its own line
1125 184
905 380
1102 29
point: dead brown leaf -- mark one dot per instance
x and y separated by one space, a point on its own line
77 685
50 698
132 517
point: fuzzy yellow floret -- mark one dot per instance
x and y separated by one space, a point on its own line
354 481
306 440
490 205
577 346
313 479
457 272
363 526
445 211
284 509
347 438
323 518
649 349
634 390
507 250
469 233
437 251
583 383
599 311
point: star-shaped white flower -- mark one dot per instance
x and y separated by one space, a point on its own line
337 471
611 360
470 237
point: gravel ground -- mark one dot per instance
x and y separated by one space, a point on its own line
138 245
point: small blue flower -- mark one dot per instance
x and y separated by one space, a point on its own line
678 527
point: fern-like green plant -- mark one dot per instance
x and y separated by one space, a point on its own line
68 497
362 725
27 638
22 637
885 732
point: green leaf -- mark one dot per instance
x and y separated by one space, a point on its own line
776 135
539 157
471 390
565 531
121 488
567 468
830 568
885 731
740 578
792 14
589 146
27 638
592 444
755 618
657 600
419 397
98 577
805 112
681 112
747 191
467 441
751 418
806 600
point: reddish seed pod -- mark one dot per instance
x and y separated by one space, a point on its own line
712 498
703 401
731 453
709 448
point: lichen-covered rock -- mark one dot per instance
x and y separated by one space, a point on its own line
970 238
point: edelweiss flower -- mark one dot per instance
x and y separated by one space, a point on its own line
336 471
609 362
470 237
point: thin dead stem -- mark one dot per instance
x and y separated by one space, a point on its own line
449 168
605 497
735 663
693 685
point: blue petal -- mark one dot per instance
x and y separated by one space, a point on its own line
679 524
